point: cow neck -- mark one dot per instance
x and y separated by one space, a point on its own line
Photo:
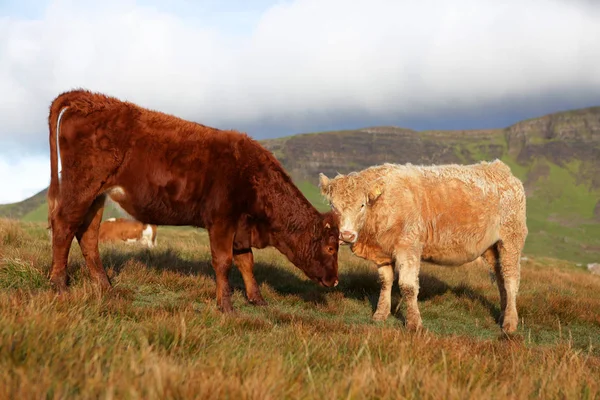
293 221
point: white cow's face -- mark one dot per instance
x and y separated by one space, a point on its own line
352 217
349 199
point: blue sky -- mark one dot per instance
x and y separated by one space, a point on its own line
275 68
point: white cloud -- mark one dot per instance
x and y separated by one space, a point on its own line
303 57
23 178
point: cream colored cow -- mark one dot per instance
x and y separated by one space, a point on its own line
398 215
128 231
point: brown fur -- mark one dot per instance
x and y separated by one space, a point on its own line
164 170
448 214
128 231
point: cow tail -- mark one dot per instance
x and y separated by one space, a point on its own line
57 111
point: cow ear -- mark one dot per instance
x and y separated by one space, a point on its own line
323 184
375 192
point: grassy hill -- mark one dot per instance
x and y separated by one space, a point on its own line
557 156
158 334
21 209
35 209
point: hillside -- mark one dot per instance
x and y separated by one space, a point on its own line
21 209
35 209
559 138
158 334
557 156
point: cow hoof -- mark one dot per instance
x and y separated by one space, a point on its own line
225 307
59 286
105 288
414 326
380 317
259 301
509 326
104 285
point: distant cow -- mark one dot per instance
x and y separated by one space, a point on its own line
164 170
128 231
448 215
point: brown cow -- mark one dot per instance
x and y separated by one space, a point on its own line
164 170
447 214
128 231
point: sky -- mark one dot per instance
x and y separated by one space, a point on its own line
276 68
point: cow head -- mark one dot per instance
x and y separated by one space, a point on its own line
323 266
350 196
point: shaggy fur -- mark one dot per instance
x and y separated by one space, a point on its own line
397 215
163 170
128 231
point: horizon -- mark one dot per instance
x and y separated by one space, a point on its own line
359 129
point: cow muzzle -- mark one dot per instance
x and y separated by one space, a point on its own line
348 236
331 282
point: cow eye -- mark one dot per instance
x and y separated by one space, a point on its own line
362 205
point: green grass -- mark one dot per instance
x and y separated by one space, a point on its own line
312 193
17 273
559 193
158 334
478 149
518 170
18 210
38 214
559 213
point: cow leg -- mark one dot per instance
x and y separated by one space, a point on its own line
65 219
493 258
508 272
62 237
408 265
244 260
87 236
221 249
384 305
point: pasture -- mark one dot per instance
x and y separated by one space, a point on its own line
158 333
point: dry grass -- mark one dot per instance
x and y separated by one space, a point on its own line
157 334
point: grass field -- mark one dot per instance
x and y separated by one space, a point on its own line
158 334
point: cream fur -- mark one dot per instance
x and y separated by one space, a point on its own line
446 214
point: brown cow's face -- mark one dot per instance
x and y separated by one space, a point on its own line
349 199
324 267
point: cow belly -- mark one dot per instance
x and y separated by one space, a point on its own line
158 211
455 251
450 255
459 237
